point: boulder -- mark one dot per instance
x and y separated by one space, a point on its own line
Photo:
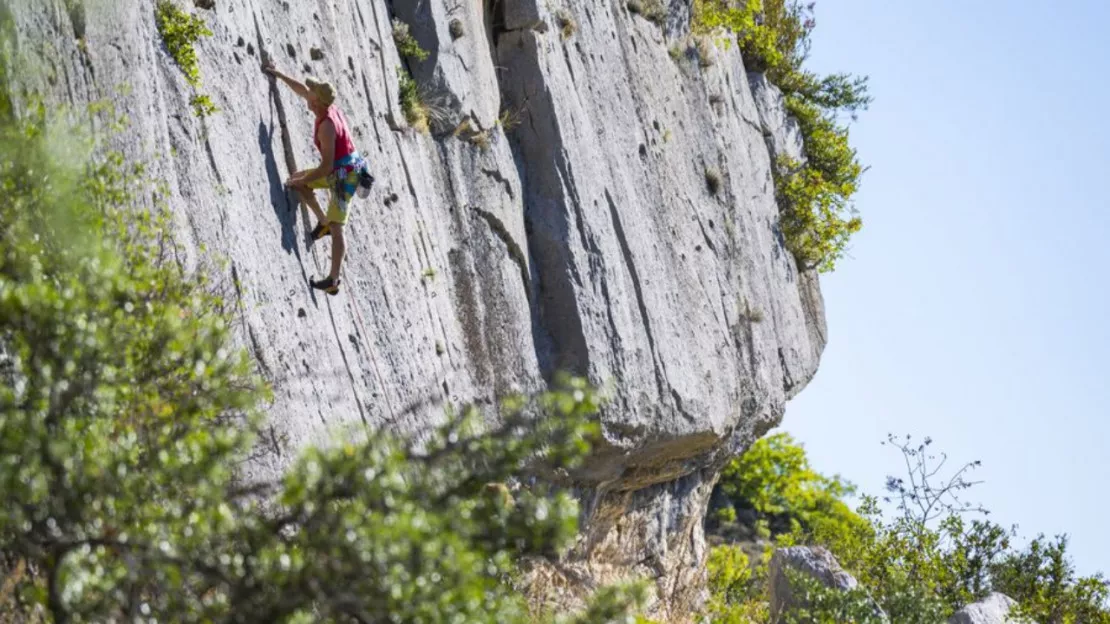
994 609
815 562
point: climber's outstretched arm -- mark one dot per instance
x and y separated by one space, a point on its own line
298 87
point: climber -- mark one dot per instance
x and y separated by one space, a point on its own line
342 170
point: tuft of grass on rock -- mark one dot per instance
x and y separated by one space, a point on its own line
704 47
412 105
481 139
567 25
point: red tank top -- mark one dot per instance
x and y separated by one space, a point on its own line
344 146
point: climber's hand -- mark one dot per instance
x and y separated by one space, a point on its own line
268 67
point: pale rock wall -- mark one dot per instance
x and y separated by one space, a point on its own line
586 239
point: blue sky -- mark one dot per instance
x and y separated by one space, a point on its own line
974 307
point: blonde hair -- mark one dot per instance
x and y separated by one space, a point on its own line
322 90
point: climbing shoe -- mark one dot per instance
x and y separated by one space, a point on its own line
326 285
320 231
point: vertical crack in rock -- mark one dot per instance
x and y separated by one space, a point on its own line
630 263
514 250
347 365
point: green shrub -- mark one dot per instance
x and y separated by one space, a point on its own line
406 44
412 104
1042 579
180 32
202 106
919 567
730 572
736 588
819 604
774 479
817 216
816 219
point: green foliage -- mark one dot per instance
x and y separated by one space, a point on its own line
730 572
407 45
180 32
825 605
735 586
1043 580
202 106
919 567
126 410
817 216
412 104
774 479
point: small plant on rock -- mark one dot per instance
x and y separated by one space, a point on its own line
704 47
412 105
509 119
464 127
180 32
567 25
203 106
480 139
406 44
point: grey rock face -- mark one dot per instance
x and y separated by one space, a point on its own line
815 562
994 609
585 238
782 133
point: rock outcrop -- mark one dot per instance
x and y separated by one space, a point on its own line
994 609
814 562
616 219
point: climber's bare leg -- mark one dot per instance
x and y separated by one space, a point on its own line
308 197
338 249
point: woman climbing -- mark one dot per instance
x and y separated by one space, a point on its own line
342 170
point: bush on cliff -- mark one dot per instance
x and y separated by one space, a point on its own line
817 215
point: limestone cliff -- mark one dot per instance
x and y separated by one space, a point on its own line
585 238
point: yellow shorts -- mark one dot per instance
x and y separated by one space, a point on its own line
337 210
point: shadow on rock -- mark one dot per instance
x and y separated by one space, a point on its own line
283 209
